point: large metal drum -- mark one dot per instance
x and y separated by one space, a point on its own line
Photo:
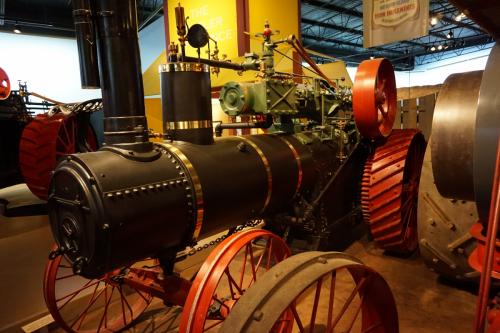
453 135
487 133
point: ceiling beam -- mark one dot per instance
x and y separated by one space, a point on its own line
342 42
345 29
334 8
354 59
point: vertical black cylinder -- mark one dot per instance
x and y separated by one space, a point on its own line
125 123
186 102
85 37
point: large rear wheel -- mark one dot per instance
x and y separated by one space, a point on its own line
324 292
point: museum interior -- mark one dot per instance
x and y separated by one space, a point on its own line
250 166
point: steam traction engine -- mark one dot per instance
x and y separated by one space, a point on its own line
31 144
133 199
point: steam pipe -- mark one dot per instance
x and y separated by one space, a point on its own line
223 64
125 124
258 124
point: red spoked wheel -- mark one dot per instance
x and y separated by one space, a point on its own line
44 141
324 291
227 273
4 85
389 193
100 305
374 98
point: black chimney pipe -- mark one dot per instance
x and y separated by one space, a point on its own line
125 124
87 49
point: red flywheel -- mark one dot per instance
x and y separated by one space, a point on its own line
44 141
389 193
374 98
4 85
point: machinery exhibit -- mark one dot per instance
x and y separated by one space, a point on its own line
252 219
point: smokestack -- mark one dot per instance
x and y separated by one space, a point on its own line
115 21
87 49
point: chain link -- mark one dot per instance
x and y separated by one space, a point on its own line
249 224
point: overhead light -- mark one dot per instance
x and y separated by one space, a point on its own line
16 29
434 20
460 17
450 34
433 48
372 57
440 47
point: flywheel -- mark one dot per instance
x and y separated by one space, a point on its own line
374 98
389 192
44 141
4 85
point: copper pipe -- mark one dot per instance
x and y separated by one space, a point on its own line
491 238
50 100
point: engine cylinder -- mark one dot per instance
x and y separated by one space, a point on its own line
114 207
186 102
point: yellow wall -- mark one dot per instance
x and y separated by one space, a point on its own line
153 114
217 16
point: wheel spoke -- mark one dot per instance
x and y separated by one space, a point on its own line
73 294
329 327
297 318
315 305
84 312
123 300
252 264
65 277
142 296
267 249
91 301
358 309
106 310
349 301
242 275
232 282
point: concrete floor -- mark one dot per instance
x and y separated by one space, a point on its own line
424 304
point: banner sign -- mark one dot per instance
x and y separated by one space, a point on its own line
388 21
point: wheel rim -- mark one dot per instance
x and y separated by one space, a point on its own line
217 288
100 305
4 85
389 192
357 299
374 98
44 141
